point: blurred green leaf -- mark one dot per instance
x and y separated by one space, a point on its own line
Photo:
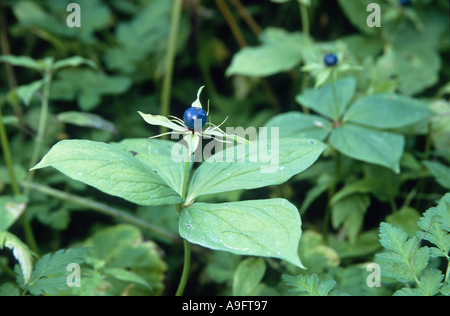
87 120
87 86
386 111
369 145
280 51
322 100
299 125
247 277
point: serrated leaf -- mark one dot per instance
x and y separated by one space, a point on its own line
8 289
110 170
386 110
49 275
308 283
322 100
369 145
20 251
432 231
248 276
287 158
409 292
405 257
267 228
443 212
430 281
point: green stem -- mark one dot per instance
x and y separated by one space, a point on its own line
7 270
336 100
331 191
31 241
41 128
186 172
186 268
187 247
305 19
170 57
102 208
7 155
448 270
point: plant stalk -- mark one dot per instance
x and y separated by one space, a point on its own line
41 128
305 19
102 208
170 57
7 155
186 268
187 247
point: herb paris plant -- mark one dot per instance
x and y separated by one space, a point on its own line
149 176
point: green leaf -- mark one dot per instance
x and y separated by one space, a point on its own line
280 51
10 210
123 247
49 275
409 292
23 61
87 86
386 111
139 37
308 283
20 252
440 172
398 262
430 281
8 289
73 62
373 146
299 125
431 224
248 172
350 212
267 228
156 154
322 100
405 219
248 276
124 275
356 12
26 92
110 170
87 120
443 212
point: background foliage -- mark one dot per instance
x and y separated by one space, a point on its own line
262 65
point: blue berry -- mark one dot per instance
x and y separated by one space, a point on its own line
330 60
192 114
405 3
